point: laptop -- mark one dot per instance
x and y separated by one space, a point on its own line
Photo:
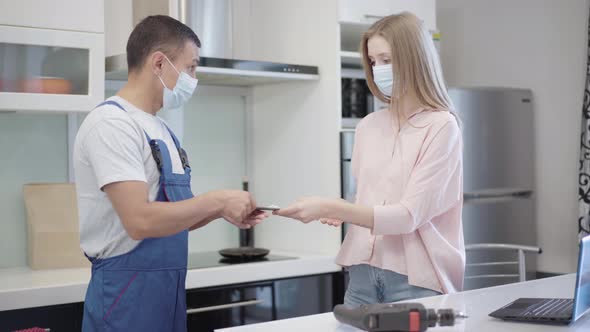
555 311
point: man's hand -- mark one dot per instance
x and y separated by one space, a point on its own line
239 208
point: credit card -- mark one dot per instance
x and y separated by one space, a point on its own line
268 208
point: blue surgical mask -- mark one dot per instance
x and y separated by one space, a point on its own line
383 78
182 92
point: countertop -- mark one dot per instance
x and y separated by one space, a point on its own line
26 288
477 304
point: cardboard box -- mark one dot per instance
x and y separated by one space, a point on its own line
53 236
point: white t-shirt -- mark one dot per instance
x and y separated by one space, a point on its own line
111 146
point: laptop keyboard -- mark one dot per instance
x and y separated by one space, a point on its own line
553 307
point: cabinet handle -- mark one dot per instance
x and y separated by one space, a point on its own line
376 17
224 306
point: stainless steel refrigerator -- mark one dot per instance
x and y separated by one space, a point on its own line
499 153
498 156
348 184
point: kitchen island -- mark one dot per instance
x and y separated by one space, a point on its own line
477 304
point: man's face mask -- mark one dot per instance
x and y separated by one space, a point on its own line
182 92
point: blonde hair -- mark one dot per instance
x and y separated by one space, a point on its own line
415 62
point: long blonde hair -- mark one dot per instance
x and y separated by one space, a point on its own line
415 61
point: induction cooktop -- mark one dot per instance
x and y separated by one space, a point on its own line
201 260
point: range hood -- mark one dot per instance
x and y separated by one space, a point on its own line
212 20
219 71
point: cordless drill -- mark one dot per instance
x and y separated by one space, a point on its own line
398 317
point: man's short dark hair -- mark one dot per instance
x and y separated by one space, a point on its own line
157 33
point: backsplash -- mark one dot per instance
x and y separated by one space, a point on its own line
34 149
215 141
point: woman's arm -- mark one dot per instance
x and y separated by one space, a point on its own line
435 185
313 208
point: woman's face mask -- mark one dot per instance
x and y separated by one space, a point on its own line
383 77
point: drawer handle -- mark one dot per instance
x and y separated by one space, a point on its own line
224 306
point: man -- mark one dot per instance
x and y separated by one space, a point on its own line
133 184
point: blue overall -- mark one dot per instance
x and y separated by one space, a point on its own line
144 290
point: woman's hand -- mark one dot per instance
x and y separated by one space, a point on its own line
331 222
334 211
309 209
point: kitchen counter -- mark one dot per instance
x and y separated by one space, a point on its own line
477 304
26 288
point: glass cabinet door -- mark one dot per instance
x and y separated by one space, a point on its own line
43 69
50 70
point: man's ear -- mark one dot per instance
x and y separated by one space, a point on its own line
156 62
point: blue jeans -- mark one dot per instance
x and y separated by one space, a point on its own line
369 284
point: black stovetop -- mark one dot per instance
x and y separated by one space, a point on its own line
201 260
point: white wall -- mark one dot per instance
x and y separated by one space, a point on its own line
214 138
541 45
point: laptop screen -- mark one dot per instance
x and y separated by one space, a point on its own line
582 293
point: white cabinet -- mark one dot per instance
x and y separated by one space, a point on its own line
118 24
51 55
74 15
369 11
121 16
45 70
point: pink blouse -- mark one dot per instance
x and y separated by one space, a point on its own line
414 180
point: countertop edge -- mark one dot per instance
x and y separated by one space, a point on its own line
45 293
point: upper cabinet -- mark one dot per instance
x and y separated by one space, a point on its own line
369 11
74 15
50 60
357 16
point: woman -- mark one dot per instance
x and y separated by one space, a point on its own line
406 236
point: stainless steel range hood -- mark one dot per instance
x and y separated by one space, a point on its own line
217 71
212 21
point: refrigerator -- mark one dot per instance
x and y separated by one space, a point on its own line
498 160
348 184
498 181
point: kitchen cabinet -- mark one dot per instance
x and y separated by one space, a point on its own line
209 308
120 16
357 16
44 70
70 15
369 11
64 317
218 307
51 55
227 306
118 24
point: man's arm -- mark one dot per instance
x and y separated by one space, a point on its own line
143 219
